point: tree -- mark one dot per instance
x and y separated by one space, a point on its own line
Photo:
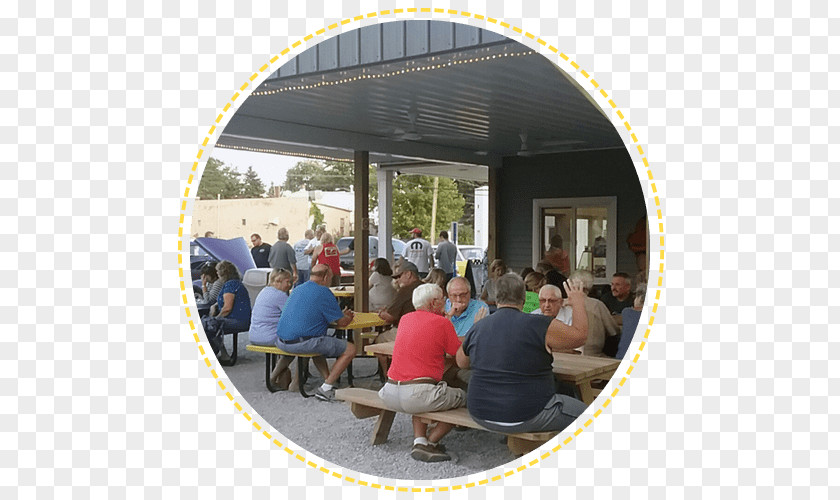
314 175
317 216
219 179
252 185
412 205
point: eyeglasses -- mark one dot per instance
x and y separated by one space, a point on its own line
549 301
456 295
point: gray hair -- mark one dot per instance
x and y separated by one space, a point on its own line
459 278
641 292
283 234
554 290
424 294
510 290
585 278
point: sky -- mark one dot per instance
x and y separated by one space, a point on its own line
270 167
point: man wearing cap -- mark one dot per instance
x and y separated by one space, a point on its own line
407 279
419 252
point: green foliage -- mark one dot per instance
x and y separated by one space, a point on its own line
219 179
317 216
466 234
252 186
412 205
314 175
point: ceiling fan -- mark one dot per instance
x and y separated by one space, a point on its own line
411 133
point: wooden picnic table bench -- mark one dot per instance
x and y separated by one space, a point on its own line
365 403
271 359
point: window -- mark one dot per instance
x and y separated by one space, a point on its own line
243 222
585 229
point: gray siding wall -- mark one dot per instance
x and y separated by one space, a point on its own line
566 175
381 43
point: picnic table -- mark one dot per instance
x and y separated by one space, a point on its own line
361 320
342 291
574 368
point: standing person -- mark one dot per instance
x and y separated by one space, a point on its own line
260 251
414 379
419 252
618 297
512 385
302 260
327 253
313 243
556 256
302 328
282 255
446 255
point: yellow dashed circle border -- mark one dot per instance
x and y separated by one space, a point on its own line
186 284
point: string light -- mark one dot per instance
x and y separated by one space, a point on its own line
407 69
284 153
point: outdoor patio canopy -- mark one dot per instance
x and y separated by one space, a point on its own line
426 97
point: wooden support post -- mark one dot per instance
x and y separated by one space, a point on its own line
362 230
492 214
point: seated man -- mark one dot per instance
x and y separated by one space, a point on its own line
552 304
631 317
407 279
618 296
512 385
602 339
414 379
303 326
461 310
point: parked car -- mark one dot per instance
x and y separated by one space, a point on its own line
471 252
373 250
465 253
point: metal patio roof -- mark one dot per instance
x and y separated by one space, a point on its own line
433 104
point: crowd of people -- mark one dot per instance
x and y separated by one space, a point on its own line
492 354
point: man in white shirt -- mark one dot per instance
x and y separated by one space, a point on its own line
419 252
301 257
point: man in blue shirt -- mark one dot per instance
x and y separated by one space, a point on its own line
461 310
302 329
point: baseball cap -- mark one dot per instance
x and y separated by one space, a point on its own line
416 230
407 266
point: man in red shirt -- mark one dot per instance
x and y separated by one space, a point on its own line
424 338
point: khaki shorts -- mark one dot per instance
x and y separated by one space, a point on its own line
420 398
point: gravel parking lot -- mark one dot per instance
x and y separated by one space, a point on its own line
330 431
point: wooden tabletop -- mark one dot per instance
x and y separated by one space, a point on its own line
568 367
342 291
576 367
365 320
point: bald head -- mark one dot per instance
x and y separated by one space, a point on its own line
321 274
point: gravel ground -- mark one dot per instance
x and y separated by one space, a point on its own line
330 431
